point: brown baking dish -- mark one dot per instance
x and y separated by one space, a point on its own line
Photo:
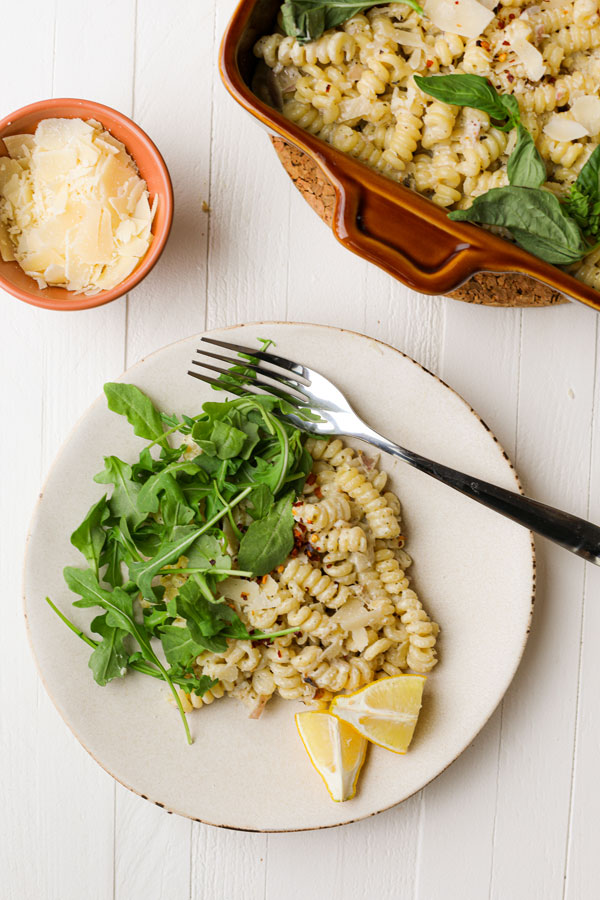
384 222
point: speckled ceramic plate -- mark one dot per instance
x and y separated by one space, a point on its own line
473 569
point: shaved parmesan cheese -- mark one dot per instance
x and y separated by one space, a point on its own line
74 211
586 111
465 17
560 127
518 34
409 39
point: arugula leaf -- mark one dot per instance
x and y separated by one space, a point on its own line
209 623
124 499
206 553
471 90
268 540
179 646
143 572
112 558
535 219
262 500
90 537
306 20
129 401
110 658
118 605
525 165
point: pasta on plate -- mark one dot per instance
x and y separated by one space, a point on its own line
344 589
354 88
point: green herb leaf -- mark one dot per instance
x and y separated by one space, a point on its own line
583 203
129 401
470 90
535 219
143 572
110 658
268 540
117 603
306 20
124 499
588 181
89 538
208 621
179 646
525 165
261 501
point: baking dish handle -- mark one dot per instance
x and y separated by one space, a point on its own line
410 242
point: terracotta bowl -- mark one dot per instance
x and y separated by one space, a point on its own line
384 222
152 169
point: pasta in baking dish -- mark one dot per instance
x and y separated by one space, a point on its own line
344 589
354 87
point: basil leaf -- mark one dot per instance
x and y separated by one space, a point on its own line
583 202
467 90
90 537
129 401
525 165
511 107
306 20
268 540
535 219
588 182
110 658
123 502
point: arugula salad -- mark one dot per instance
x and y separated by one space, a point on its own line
175 502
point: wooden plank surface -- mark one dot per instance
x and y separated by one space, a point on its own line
516 816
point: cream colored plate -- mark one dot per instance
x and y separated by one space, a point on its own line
473 569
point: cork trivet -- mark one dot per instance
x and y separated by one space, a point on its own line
485 288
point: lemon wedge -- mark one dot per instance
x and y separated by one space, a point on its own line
335 749
385 711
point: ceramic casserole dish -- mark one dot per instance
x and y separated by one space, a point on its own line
384 222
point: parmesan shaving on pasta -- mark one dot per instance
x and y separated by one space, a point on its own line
518 34
465 17
74 211
561 127
586 111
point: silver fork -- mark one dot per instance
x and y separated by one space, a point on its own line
305 388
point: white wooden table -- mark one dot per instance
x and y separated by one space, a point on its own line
516 817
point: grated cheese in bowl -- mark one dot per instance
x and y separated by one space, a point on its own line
74 211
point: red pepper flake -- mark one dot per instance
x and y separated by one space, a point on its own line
505 43
298 503
279 653
501 24
244 595
429 63
264 579
294 552
510 77
511 17
311 478
551 79
485 45
318 492
328 88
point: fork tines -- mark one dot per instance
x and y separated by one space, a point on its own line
287 385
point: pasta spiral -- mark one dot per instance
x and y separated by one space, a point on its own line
378 514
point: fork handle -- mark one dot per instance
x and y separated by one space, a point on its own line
570 532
